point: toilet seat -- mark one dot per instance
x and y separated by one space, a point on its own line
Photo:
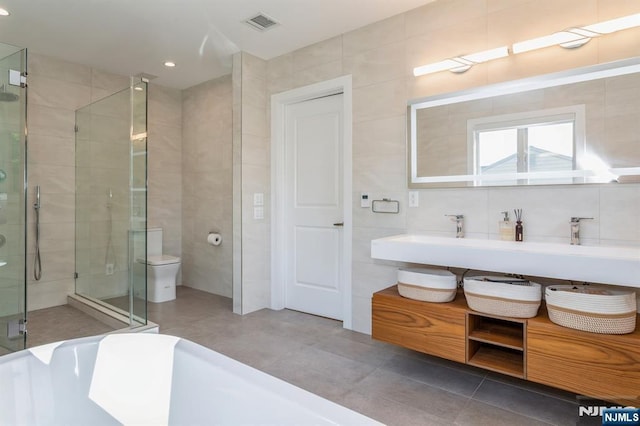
160 260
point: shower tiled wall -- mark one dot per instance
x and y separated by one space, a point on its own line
380 57
56 89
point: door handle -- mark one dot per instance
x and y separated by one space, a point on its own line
339 224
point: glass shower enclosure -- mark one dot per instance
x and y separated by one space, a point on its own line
111 202
13 108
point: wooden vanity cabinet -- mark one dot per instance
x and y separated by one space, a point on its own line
432 328
605 366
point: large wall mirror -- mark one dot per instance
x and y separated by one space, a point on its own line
577 126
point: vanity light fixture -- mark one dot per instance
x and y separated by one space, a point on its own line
4 12
570 38
613 25
578 36
460 64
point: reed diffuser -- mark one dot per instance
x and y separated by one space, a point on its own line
518 215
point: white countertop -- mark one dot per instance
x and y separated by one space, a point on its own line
598 264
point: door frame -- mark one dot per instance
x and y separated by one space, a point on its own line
279 209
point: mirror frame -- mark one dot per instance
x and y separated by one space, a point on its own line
577 75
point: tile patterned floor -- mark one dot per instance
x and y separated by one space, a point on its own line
388 383
61 323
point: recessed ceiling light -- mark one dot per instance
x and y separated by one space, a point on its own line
4 12
170 64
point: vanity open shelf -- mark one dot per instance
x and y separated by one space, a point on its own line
507 333
495 343
604 366
503 361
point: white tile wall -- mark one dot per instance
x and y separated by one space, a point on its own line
207 185
380 58
253 167
383 82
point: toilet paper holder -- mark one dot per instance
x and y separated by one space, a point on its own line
214 238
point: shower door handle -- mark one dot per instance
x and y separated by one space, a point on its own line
338 224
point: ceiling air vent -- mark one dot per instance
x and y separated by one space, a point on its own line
261 22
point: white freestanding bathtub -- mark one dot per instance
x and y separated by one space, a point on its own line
151 379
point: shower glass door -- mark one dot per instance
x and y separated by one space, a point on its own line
111 180
13 107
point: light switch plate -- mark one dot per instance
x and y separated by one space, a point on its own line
414 199
258 213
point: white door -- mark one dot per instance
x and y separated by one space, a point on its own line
314 200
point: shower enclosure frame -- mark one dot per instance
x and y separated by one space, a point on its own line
111 205
13 157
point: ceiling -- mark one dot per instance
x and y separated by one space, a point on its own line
137 36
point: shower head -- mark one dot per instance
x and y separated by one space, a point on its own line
7 96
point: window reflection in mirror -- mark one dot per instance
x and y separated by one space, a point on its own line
526 143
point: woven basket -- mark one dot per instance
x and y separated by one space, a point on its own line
501 298
596 309
594 323
426 294
501 306
427 284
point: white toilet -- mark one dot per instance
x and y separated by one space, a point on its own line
162 269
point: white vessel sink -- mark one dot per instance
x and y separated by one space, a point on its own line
606 265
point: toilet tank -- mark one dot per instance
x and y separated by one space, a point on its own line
154 242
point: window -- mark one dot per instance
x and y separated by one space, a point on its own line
541 146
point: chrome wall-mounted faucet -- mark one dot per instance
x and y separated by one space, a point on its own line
459 219
575 229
